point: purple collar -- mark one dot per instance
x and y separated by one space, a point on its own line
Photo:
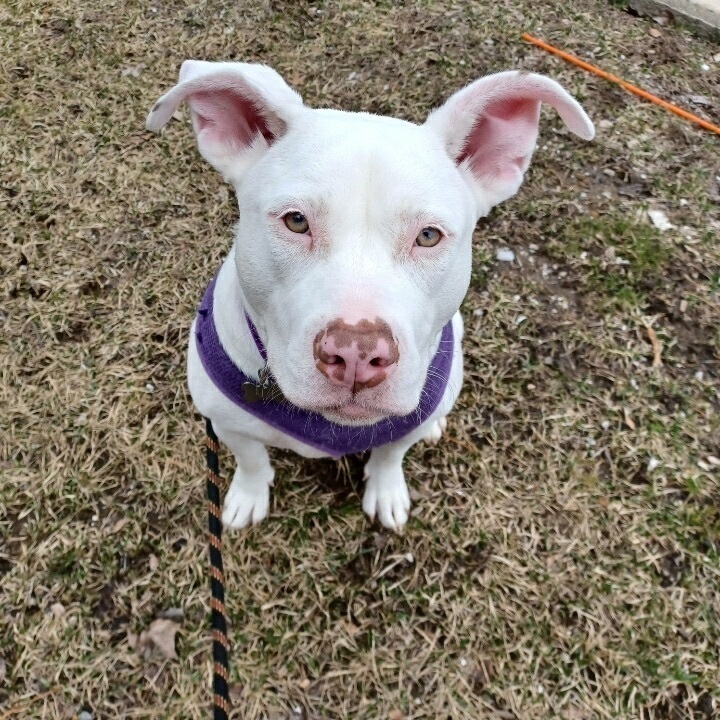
264 400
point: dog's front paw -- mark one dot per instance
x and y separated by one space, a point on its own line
386 496
435 431
245 504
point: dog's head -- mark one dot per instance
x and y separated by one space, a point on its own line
353 244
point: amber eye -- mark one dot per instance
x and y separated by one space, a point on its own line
296 222
428 237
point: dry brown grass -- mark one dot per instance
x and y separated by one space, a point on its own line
546 573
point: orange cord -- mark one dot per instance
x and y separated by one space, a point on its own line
625 85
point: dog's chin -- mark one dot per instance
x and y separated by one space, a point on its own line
352 414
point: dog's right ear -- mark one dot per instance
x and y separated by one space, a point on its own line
238 110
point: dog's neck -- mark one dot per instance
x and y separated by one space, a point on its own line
232 327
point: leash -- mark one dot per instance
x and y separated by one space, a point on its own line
221 696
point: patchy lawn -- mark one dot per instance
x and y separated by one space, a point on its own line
563 559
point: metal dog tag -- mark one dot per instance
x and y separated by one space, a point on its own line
265 389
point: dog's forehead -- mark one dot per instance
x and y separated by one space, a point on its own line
337 136
334 157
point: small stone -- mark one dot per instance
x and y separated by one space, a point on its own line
683 305
84 715
505 255
659 220
704 67
520 319
150 387
703 466
463 662
699 375
605 424
57 609
478 312
652 464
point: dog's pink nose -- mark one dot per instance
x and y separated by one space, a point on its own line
356 356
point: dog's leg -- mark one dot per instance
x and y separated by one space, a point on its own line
386 494
248 497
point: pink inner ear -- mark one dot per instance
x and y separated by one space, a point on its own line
225 117
502 140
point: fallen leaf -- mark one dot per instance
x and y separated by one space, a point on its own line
304 684
3 670
654 32
632 190
159 636
395 715
119 525
132 640
700 100
628 420
133 70
656 347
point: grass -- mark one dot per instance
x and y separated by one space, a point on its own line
563 559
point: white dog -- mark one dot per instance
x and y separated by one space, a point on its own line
333 326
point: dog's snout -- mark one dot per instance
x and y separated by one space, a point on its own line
356 356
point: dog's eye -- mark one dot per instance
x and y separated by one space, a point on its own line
296 222
428 237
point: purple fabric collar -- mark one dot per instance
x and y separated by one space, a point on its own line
264 400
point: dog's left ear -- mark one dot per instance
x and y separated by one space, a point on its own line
238 110
490 127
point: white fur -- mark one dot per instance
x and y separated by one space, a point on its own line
367 185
